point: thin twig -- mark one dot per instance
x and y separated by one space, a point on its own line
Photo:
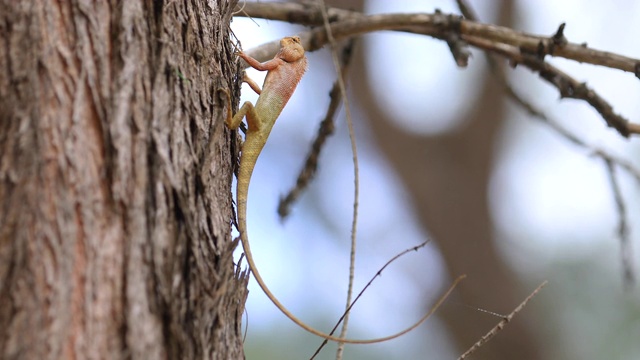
623 229
621 163
356 175
467 11
496 329
378 273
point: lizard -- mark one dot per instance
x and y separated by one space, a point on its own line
284 72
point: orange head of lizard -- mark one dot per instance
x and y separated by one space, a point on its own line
291 49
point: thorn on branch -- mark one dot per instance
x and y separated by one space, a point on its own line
558 38
547 47
439 18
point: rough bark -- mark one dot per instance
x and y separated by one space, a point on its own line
114 181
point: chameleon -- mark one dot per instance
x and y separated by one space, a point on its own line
284 72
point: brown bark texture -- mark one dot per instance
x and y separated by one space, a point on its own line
114 181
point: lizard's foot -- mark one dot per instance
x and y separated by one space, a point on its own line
226 103
226 94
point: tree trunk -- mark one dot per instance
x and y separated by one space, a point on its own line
114 181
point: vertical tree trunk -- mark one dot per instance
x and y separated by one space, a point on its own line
114 183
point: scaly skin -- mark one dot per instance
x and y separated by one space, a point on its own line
284 73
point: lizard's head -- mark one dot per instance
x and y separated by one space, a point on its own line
291 49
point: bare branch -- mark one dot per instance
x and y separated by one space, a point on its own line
347 23
566 85
356 175
519 47
610 160
496 329
379 273
623 228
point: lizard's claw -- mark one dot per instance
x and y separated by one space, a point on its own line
226 101
224 95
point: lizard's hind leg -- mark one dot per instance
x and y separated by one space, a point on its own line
234 121
252 117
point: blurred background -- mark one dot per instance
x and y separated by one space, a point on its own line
444 155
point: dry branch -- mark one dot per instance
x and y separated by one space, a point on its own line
346 23
496 329
519 47
610 160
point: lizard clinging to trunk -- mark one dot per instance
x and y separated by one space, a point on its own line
284 73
